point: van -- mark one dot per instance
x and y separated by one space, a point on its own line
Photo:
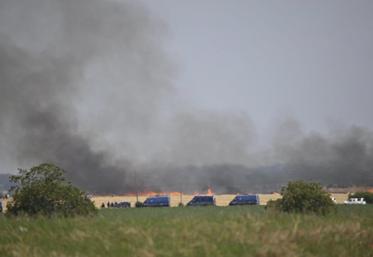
202 200
245 200
157 201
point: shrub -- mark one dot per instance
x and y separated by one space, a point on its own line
303 197
139 204
368 196
43 190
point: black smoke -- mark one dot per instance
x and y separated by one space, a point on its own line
49 54
84 84
341 158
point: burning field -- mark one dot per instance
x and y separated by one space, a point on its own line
263 94
89 85
176 198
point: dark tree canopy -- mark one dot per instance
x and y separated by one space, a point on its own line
43 190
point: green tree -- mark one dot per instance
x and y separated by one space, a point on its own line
43 190
303 197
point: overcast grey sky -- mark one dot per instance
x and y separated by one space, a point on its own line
311 60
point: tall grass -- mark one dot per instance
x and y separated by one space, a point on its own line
211 231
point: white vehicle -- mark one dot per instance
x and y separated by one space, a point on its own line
334 200
355 201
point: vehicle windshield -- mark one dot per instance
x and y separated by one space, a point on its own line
202 199
245 198
156 200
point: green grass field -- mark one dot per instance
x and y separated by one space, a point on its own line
218 231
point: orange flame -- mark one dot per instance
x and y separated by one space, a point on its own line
172 193
209 191
152 193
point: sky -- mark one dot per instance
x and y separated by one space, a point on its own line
312 61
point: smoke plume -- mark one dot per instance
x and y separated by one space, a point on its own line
87 84
343 158
68 65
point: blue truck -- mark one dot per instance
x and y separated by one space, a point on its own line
157 201
202 200
245 200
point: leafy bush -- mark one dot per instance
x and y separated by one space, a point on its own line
303 197
43 190
139 204
368 196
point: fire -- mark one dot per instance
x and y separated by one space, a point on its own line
152 193
209 191
172 193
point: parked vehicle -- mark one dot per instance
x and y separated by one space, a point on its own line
122 205
245 200
355 201
157 201
202 200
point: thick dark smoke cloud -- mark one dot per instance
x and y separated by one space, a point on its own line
50 52
342 159
86 84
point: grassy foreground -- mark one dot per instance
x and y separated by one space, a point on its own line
218 231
